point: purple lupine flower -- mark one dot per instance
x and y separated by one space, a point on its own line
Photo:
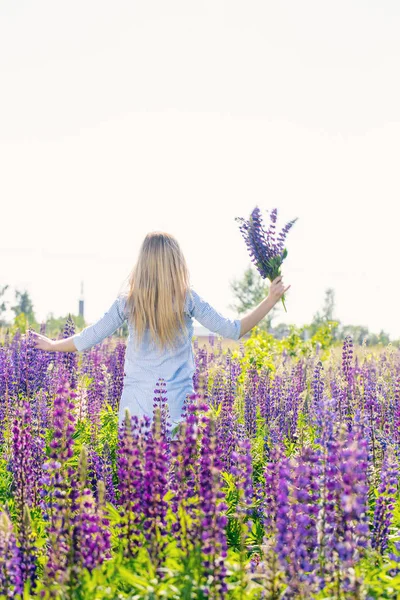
212 513
232 369
296 521
55 483
270 502
305 510
217 389
160 405
347 366
155 482
117 374
330 491
90 543
284 525
184 477
26 473
200 376
49 375
107 475
263 394
17 363
384 505
266 252
22 459
29 372
396 411
371 409
290 410
70 359
42 412
133 434
227 429
94 469
250 402
27 451
95 393
100 469
351 531
279 424
318 384
11 582
61 446
242 470
27 550
7 388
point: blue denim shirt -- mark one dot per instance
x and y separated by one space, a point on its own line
145 365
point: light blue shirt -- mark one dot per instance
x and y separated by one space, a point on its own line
145 365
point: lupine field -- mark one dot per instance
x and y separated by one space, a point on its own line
282 481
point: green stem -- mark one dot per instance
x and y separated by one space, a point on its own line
283 302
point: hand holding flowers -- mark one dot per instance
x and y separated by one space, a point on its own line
277 289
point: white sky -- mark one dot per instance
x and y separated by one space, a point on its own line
119 118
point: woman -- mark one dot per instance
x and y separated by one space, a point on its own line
159 307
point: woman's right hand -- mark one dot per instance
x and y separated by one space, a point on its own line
41 342
277 289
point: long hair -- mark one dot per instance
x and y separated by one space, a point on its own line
158 285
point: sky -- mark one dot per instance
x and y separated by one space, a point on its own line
120 118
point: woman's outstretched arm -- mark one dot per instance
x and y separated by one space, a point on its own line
112 319
235 328
44 343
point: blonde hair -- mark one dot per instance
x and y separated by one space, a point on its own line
158 285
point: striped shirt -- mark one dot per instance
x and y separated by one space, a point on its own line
145 365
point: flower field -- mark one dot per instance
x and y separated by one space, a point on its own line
282 481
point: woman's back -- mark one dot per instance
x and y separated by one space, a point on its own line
146 363
159 305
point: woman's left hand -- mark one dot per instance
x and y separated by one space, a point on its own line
41 342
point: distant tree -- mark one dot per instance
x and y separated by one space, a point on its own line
249 291
324 317
24 305
3 307
357 332
327 309
383 338
329 305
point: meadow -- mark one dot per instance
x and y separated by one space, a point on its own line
282 481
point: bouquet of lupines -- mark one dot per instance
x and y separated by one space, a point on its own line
266 249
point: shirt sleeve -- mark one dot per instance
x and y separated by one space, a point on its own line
205 314
112 319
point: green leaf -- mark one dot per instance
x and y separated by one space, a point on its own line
135 580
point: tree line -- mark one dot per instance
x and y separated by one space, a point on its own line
251 289
24 314
248 291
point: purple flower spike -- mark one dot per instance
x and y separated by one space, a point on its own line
133 434
160 406
155 482
212 514
23 459
385 503
11 582
70 359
